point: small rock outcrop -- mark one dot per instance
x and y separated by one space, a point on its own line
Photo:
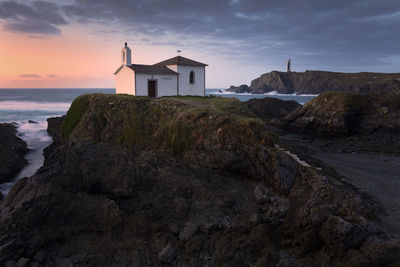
183 181
272 110
240 89
12 152
346 121
316 82
348 113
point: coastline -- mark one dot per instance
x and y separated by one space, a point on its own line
145 180
36 139
12 152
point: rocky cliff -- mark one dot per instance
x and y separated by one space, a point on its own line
348 113
316 82
183 181
12 152
351 122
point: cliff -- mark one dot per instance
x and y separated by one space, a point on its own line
316 82
183 181
348 113
12 152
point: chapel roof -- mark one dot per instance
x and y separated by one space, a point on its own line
149 69
178 60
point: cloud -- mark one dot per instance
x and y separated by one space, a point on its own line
31 26
328 33
341 34
35 76
38 17
51 76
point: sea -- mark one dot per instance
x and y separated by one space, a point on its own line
30 108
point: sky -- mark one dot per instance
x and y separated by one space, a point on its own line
77 43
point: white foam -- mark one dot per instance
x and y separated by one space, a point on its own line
37 138
272 93
34 106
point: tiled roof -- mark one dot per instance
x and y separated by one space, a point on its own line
149 69
178 60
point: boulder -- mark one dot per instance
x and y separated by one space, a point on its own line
272 110
239 89
167 254
12 152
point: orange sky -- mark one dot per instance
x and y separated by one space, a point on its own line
77 43
81 59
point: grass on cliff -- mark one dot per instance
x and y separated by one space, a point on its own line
229 105
175 123
342 101
74 115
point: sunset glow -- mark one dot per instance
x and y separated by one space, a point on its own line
75 43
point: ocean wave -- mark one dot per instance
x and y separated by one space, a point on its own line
36 136
272 93
34 106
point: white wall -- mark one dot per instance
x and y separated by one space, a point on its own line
126 56
185 88
166 84
125 81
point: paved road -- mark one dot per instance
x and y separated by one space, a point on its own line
378 175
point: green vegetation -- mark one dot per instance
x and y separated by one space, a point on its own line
229 105
343 101
177 124
232 106
74 115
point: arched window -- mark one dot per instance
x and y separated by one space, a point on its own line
123 57
191 78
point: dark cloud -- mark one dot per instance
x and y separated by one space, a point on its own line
346 35
316 33
38 17
31 26
30 76
52 76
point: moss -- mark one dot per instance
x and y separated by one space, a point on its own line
177 138
136 123
232 106
99 123
342 101
74 115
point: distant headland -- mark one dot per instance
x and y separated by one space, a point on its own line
316 82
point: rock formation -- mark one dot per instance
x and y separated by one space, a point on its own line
183 181
12 151
240 89
272 110
370 121
316 82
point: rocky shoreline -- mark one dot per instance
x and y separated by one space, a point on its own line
316 82
12 152
355 134
184 181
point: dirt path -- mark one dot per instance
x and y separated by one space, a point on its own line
199 104
378 175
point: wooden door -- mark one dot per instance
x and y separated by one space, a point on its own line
152 88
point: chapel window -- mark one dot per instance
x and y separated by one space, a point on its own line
191 78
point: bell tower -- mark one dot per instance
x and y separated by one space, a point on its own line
126 55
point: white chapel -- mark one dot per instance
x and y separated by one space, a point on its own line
174 76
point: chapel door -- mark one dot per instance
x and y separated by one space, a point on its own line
152 87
